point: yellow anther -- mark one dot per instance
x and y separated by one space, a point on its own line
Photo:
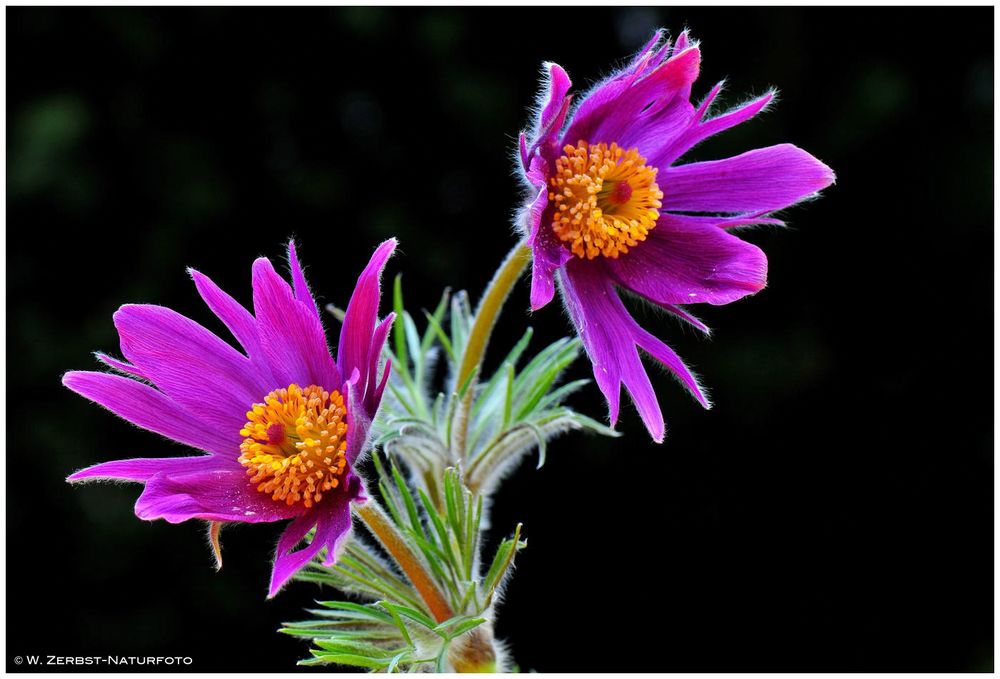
605 198
295 445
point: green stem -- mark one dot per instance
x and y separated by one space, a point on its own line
489 308
492 302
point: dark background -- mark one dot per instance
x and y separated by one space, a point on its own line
833 512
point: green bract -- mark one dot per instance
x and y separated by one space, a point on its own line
444 453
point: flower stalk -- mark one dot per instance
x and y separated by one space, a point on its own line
485 320
489 309
374 517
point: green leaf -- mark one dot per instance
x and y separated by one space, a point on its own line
501 563
325 658
394 663
494 381
443 540
400 625
547 374
358 610
541 443
461 321
398 332
411 613
508 402
556 396
411 507
457 626
354 647
399 396
434 325
474 520
438 317
594 425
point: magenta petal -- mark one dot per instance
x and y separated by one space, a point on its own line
669 358
547 253
543 287
522 150
358 424
698 131
380 388
554 105
687 317
144 468
547 256
234 315
587 304
602 324
762 180
727 223
189 364
662 126
600 99
685 260
653 109
150 409
651 53
626 108
610 336
299 281
288 563
682 42
212 495
373 394
120 366
354 351
333 525
291 336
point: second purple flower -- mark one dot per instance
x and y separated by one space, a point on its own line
282 423
609 207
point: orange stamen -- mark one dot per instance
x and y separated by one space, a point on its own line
296 444
606 199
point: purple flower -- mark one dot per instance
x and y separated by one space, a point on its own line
608 208
281 422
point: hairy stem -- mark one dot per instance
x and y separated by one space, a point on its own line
482 327
374 517
489 308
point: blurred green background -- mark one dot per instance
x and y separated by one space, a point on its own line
832 513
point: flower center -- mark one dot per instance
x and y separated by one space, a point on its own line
606 199
295 444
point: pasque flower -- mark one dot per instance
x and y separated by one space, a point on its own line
281 422
609 207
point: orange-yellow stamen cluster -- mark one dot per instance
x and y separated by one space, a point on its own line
295 444
606 199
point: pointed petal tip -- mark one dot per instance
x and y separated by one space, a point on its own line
261 265
74 380
557 72
214 529
541 297
614 409
700 395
